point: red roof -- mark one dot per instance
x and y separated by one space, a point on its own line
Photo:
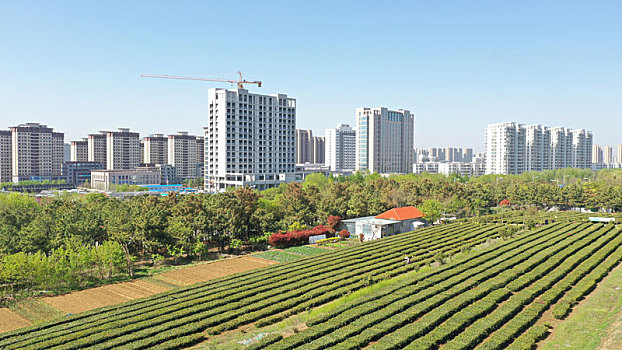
403 213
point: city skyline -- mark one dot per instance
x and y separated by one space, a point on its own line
78 66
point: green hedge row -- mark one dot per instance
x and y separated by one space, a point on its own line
404 298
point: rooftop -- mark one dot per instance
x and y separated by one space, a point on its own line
403 213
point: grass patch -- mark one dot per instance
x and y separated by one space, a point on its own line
278 256
306 250
35 310
589 323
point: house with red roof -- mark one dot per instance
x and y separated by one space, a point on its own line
389 223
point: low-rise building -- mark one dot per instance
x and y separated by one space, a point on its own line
389 223
168 173
107 179
79 173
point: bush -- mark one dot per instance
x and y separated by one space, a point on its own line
344 234
294 238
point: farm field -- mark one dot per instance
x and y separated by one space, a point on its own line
490 295
9 320
211 270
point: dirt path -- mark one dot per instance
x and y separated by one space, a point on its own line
9 320
211 270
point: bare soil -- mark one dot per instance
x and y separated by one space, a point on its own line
9 320
111 294
211 270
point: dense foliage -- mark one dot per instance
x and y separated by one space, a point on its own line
148 227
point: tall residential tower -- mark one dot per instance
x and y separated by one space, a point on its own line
385 140
341 148
513 148
249 140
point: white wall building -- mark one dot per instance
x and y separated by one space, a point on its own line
107 179
37 152
182 154
341 148
513 148
384 140
6 154
249 140
122 149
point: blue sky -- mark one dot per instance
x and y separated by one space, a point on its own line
458 65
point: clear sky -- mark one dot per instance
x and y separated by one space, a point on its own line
458 65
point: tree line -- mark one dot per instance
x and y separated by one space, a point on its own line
148 227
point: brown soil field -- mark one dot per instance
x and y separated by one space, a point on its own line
93 298
211 270
9 320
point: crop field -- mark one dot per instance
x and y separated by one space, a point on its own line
211 270
10 320
491 298
111 294
521 217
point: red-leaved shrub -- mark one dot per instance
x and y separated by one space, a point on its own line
294 238
344 234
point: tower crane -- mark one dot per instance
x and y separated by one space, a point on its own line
240 82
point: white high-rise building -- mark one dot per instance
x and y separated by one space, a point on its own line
505 148
619 154
385 140
6 165
37 152
155 149
122 149
97 148
79 150
249 140
341 148
183 154
538 148
513 148
581 149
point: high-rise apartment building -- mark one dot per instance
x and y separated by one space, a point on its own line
79 150
318 144
6 154
155 149
249 140
303 146
608 155
97 148
505 148
384 140
597 154
182 154
37 152
581 149
309 148
122 149
619 154
513 148
200 156
341 148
